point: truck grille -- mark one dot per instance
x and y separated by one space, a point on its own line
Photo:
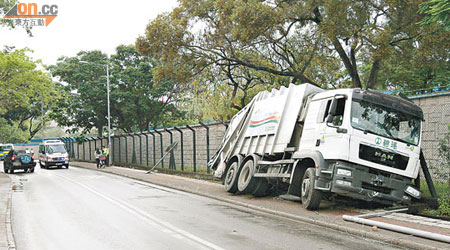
379 189
383 157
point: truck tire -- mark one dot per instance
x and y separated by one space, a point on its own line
262 185
230 182
310 197
246 182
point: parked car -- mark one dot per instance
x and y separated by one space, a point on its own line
4 150
19 159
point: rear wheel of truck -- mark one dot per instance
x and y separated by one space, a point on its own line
262 185
310 197
246 182
230 182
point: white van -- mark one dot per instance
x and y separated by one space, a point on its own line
53 153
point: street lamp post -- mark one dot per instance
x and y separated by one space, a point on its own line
107 104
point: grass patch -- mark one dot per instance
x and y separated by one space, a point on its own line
443 191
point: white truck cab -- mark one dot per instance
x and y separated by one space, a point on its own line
53 153
362 144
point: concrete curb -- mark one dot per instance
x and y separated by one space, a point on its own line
8 241
355 232
9 232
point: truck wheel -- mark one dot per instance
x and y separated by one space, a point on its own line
32 170
231 178
11 171
246 182
5 170
310 197
261 187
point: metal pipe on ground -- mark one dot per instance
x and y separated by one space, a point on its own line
400 229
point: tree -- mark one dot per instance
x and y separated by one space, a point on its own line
26 90
10 133
136 100
324 42
84 105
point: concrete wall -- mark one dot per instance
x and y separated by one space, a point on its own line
436 111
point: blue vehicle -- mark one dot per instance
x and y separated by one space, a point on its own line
4 150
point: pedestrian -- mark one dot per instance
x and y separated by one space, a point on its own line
105 151
98 153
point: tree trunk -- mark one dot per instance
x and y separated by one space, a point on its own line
351 67
374 74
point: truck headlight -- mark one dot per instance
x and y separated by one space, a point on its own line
344 172
413 192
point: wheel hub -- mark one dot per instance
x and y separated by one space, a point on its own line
305 187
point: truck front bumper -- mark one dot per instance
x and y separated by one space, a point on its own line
364 183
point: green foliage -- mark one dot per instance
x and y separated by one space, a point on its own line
84 85
444 206
25 90
372 44
437 12
137 101
10 133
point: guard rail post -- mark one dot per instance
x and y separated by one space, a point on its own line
146 147
207 145
90 148
140 147
171 142
194 147
161 145
133 155
181 147
154 147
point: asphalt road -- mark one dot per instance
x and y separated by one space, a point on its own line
83 209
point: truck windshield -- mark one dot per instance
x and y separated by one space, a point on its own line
55 149
383 121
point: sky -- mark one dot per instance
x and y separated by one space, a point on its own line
86 25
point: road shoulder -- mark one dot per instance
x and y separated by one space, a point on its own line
6 236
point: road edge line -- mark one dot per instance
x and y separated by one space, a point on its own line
9 231
354 232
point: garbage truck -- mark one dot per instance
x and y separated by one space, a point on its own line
317 144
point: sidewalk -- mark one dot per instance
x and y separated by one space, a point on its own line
329 215
6 238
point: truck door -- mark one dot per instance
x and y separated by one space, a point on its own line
332 130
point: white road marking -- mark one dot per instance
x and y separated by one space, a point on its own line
173 230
